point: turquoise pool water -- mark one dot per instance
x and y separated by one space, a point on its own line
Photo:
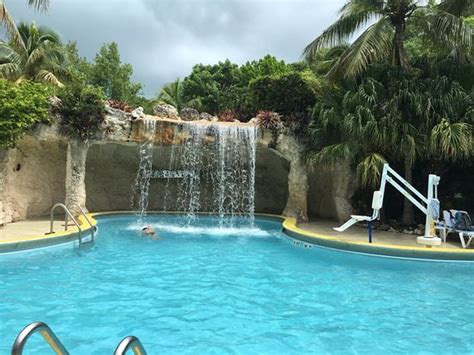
246 290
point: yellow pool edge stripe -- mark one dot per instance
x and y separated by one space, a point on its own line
289 225
292 230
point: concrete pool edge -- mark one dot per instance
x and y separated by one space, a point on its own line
289 227
33 242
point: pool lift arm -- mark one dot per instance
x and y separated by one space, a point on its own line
429 205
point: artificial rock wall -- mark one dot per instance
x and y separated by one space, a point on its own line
32 178
46 168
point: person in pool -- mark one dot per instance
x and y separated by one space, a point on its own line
150 231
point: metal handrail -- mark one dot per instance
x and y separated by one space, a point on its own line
68 214
87 219
130 342
47 334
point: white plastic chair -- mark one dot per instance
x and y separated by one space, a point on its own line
450 228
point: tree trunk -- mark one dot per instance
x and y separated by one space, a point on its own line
408 213
75 175
399 56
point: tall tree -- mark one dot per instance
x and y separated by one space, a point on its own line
40 57
384 39
108 72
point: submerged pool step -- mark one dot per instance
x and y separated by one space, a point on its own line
128 343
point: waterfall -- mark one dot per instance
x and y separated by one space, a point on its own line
145 168
218 170
211 169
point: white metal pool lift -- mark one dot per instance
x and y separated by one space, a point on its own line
428 205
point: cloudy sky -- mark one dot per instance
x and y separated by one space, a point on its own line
162 39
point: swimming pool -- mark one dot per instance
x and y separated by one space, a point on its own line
209 289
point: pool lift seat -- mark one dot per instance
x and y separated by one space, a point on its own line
429 205
377 202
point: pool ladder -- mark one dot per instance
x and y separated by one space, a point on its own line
68 215
128 343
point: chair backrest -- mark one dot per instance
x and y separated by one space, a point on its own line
447 219
462 221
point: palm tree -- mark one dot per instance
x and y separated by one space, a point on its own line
40 57
402 120
172 94
10 26
385 36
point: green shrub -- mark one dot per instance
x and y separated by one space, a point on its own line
285 94
82 110
21 107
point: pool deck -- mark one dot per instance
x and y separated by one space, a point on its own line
31 234
359 234
25 230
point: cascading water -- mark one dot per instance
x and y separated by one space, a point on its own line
217 164
145 169
211 169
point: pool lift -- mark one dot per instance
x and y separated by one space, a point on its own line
429 205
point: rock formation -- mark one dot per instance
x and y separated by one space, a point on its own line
189 114
166 111
297 204
75 175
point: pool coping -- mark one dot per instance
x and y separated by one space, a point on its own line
289 227
32 242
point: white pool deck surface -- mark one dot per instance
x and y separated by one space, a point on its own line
35 228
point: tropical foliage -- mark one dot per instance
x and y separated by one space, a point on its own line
21 107
36 55
226 85
82 111
9 23
286 94
389 81
172 94
392 116
384 24
272 121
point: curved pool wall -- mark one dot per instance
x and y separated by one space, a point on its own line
289 228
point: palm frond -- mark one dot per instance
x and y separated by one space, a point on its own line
372 45
452 141
355 15
450 30
7 53
10 27
41 5
8 70
370 168
331 154
35 56
47 77
457 7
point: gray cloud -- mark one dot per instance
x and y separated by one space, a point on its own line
164 39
